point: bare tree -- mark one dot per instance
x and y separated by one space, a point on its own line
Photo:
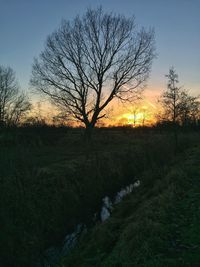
171 98
189 108
91 60
133 110
144 115
179 107
18 109
13 103
171 101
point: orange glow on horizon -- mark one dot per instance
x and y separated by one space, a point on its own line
134 114
142 113
135 120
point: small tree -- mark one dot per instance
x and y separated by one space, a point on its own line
179 107
13 103
189 109
133 111
171 98
91 60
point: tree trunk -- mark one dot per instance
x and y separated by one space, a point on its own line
88 132
175 138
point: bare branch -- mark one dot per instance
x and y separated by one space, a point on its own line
92 59
13 103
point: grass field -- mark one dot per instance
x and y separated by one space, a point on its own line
51 179
156 226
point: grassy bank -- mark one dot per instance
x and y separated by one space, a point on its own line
156 226
51 180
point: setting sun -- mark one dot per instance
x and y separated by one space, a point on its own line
140 115
99 133
132 119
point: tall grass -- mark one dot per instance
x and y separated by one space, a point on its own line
50 181
157 225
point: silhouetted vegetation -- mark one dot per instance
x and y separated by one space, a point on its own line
179 107
91 60
14 104
52 178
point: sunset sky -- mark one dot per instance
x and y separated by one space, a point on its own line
25 24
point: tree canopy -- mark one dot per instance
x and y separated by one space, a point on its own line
91 60
13 103
178 105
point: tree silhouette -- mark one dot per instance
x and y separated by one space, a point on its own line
189 109
171 98
13 103
179 107
91 60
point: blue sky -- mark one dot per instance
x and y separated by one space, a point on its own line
25 24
